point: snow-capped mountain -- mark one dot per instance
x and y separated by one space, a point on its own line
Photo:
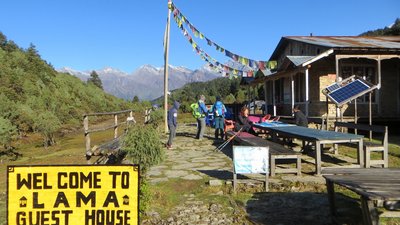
147 82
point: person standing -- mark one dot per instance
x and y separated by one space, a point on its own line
299 117
201 121
172 123
219 117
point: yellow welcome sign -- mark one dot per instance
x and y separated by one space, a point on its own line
73 195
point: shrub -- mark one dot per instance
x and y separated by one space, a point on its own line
143 146
157 117
7 133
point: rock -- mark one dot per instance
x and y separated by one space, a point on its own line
215 182
214 208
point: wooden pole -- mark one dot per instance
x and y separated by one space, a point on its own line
378 92
292 90
87 136
327 113
370 114
337 79
307 93
273 96
355 114
166 51
115 126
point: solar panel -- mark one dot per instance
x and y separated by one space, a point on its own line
333 87
348 92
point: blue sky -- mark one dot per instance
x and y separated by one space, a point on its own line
125 34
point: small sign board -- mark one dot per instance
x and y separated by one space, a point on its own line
250 160
72 194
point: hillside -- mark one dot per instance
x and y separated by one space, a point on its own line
392 30
228 89
36 98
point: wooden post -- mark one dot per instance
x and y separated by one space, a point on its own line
327 113
273 96
115 125
265 98
370 114
166 52
337 79
378 92
355 114
254 100
331 196
87 136
307 93
292 90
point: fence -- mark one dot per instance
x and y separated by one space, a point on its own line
129 119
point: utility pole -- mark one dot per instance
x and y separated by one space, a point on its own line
166 50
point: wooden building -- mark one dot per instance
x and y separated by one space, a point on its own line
308 64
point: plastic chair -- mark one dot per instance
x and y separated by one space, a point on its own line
229 125
266 117
276 118
254 119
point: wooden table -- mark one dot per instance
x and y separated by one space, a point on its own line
317 137
377 187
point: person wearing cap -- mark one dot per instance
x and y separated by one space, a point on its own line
219 117
172 123
201 121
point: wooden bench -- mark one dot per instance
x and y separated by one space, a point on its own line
377 188
368 146
276 152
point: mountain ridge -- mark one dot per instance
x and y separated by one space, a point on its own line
146 82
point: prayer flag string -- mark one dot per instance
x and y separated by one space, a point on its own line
212 63
255 64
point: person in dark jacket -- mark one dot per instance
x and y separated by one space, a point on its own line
172 123
243 121
219 117
201 121
299 117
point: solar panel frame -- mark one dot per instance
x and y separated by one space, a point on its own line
348 92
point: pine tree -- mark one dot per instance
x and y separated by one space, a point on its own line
135 99
95 79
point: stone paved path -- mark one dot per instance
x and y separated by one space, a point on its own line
193 159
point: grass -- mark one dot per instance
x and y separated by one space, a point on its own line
70 149
167 195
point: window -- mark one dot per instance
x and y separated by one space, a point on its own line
366 71
299 87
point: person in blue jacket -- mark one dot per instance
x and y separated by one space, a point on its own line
172 123
219 111
201 121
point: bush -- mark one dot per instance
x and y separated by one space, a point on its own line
157 117
47 124
143 146
7 133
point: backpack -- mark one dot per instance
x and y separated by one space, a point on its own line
219 109
195 110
